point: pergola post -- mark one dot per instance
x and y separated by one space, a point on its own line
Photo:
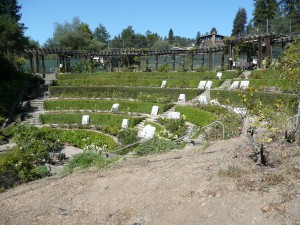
259 63
37 62
43 65
268 49
229 53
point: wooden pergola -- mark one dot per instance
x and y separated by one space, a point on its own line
65 55
268 40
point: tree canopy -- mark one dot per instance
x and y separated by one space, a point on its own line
239 22
263 10
12 39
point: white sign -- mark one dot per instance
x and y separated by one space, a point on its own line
163 84
148 131
115 107
219 75
202 84
208 85
202 100
181 98
234 85
125 123
174 115
85 119
244 84
154 110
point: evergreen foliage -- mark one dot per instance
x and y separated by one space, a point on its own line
263 10
239 22
171 36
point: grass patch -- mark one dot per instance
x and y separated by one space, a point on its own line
125 106
156 145
146 94
85 160
108 123
196 116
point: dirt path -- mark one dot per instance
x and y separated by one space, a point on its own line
180 187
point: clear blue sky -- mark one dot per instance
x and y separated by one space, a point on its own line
185 18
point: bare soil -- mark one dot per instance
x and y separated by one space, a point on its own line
215 184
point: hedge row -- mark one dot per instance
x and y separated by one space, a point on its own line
196 116
125 106
80 138
109 123
134 81
275 84
266 74
234 98
140 93
155 75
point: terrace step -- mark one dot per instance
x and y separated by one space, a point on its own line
166 113
32 110
226 84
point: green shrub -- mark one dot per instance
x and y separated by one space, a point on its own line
127 136
174 126
156 145
85 160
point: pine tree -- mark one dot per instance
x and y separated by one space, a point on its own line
101 34
264 10
239 22
171 36
290 8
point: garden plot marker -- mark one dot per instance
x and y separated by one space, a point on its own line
85 119
154 110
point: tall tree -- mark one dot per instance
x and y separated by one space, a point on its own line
171 36
290 8
239 22
152 38
101 34
10 8
75 35
264 10
128 37
12 39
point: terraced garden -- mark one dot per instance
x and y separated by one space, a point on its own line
73 96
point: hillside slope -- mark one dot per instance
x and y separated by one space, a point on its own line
215 185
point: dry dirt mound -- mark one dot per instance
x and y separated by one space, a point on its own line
216 185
